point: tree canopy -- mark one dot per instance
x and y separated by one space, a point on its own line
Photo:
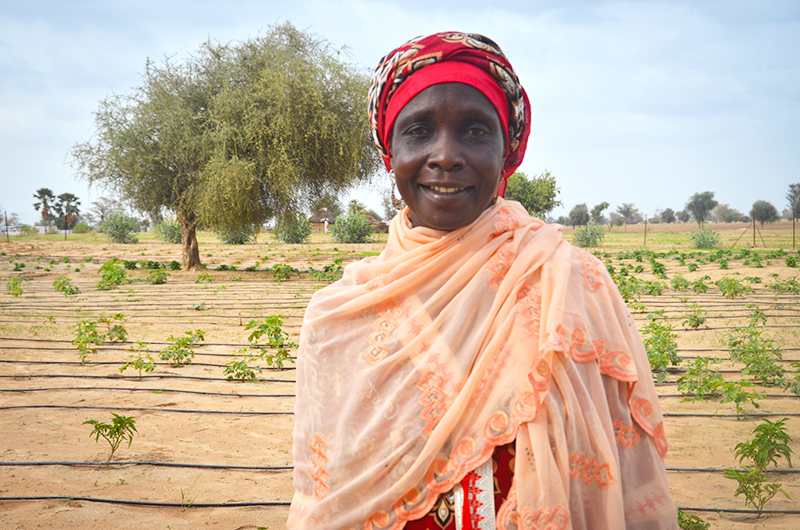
667 215
537 195
597 213
46 201
579 215
700 205
236 135
765 212
793 196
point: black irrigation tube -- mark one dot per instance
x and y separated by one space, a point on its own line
749 415
151 504
146 463
56 341
157 390
149 409
733 510
121 361
135 377
713 470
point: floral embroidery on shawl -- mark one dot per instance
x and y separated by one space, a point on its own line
499 265
544 519
383 326
318 447
433 399
590 471
591 270
627 435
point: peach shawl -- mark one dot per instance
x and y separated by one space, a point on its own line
419 362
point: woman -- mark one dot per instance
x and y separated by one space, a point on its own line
481 372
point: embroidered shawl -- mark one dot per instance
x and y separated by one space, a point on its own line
416 364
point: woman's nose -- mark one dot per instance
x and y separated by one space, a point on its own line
446 152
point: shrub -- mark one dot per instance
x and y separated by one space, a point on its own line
351 228
81 228
14 285
174 265
157 277
662 350
241 236
169 231
791 261
181 349
704 238
276 338
62 283
113 274
590 235
28 230
292 228
118 227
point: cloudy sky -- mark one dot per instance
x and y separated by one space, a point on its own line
645 102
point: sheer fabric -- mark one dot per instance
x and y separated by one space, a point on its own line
419 362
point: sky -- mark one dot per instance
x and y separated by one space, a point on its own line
640 102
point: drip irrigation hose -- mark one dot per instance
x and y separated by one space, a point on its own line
155 464
149 409
136 377
156 390
733 510
151 504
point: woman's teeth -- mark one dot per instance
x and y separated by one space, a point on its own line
445 190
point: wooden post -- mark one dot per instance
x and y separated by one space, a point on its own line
645 230
752 214
5 214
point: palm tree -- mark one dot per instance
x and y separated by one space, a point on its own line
67 207
46 198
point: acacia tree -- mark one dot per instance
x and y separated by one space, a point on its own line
537 195
46 201
235 135
579 215
629 213
104 206
700 205
764 212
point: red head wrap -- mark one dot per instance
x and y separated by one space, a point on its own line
450 57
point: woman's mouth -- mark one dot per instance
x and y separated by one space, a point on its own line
441 189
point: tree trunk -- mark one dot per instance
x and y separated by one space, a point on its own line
191 252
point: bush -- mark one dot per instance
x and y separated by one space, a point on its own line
292 228
704 238
28 230
590 235
81 228
118 227
169 232
242 236
351 228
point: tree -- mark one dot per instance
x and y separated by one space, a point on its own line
597 213
615 219
629 213
537 195
236 135
67 208
683 216
46 200
104 206
389 209
579 215
327 202
667 215
764 212
793 196
700 205
723 213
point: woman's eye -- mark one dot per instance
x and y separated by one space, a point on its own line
476 132
417 131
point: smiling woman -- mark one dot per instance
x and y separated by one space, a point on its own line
480 372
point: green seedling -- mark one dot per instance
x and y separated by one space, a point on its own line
662 350
732 288
734 392
688 521
121 428
148 365
199 307
789 285
87 338
760 354
282 271
181 349
203 277
116 331
113 274
679 283
700 286
769 444
695 318
275 338
62 283
240 369
700 381
157 276
14 285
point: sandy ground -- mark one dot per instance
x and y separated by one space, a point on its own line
194 417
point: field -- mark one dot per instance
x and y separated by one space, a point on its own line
216 452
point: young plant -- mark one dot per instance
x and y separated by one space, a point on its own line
688 521
14 285
679 283
700 381
113 274
659 341
770 443
275 338
157 276
760 354
148 365
239 369
282 271
695 318
330 273
732 287
700 286
62 283
120 429
203 277
87 338
734 392
116 331
789 285
181 349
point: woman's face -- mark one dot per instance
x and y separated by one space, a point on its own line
447 152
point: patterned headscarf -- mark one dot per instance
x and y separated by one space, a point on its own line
447 58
